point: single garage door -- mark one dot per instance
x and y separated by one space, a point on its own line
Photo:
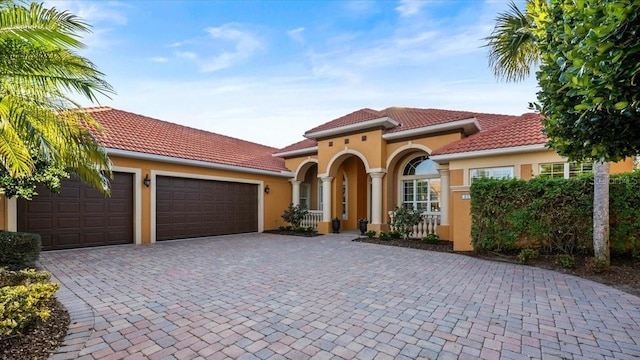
80 216
189 208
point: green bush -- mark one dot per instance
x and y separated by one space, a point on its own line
555 215
383 236
294 215
370 234
404 220
431 239
566 261
395 234
24 298
19 250
595 265
527 254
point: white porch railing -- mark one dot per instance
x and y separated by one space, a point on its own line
428 224
312 219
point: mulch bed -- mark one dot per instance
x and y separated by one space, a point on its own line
40 339
441 245
293 233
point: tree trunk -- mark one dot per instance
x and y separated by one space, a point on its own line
601 213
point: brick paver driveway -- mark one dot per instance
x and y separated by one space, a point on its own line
272 297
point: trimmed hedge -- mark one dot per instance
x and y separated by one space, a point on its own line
19 249
24 298
552 214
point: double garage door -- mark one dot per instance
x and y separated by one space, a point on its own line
81 216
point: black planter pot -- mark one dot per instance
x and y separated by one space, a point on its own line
335 225
362 225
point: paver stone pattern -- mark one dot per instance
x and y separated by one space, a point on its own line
264 296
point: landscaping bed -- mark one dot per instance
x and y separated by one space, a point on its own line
40 339
293 233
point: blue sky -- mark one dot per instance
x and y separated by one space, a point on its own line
267 71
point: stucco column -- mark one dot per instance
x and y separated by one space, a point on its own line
295 191
326 198
376 197
444 196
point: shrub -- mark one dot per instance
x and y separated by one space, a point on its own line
22 277
552 214
566 261
22 304
282 228
294 215
405 219
431 238
370 234
383 236
595 265
19 250
527 254
395 234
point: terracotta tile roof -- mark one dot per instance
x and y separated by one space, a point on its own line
413 118
128 131
519 131
304 144
349 119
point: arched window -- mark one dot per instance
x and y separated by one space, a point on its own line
421 185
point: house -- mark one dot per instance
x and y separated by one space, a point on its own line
170 182
174 182
366 163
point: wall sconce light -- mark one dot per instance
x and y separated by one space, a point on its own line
266 189
146 181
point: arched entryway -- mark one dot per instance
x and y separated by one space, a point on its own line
348 184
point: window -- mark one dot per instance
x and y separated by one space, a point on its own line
504 172
421 185
305 196
344 197
564 170
576 169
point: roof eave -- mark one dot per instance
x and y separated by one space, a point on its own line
294 153
469 126
445 158
199 163
385 122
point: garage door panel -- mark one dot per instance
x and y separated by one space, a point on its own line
195 208
80 215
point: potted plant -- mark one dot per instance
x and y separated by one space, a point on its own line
362 225
335 225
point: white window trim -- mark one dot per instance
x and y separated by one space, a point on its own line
566 168
306 188
512 167
345 200
402 178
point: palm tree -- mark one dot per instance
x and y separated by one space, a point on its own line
513 51
39 75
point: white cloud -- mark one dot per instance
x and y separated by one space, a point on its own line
187 55
159 59
410 7
296 35
229 43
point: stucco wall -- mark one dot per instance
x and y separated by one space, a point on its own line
273 204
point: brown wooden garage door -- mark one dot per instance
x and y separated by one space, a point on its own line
80 216
188 208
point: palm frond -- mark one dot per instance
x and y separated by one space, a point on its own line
512 45
38 25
